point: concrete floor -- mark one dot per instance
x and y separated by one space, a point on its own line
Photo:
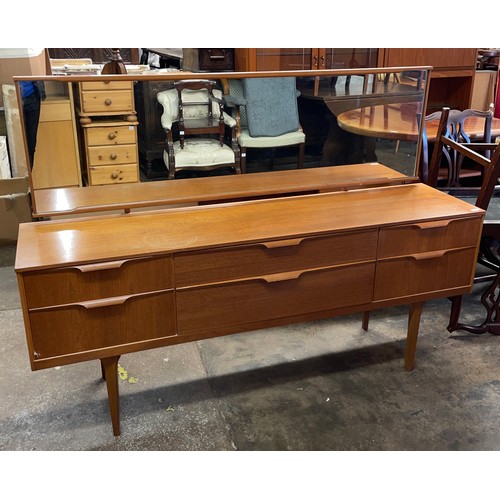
324 385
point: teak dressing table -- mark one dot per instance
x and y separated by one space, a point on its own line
136 281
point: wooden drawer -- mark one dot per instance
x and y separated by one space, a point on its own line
118 101
87 326
119 85
273 257
236 304
424 272
103 136
120 174
428 236
96 281
110 155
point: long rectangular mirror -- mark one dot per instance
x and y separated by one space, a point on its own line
101 141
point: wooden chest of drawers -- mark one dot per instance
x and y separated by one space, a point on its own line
153 279
108 119
111 152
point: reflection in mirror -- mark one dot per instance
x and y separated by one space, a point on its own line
32 93
107 132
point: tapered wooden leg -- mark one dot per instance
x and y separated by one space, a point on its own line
411 340
110 369
103 373
366 320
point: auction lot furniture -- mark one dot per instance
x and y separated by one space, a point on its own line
54 202
99 287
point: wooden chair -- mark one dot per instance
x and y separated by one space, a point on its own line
266 112
197 109
452 169
489 162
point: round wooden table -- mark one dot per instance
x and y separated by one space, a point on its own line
399 122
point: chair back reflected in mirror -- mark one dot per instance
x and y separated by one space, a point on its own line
454 167
200 136
266 112
486 156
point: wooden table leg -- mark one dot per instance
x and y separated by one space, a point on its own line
110 371
411 340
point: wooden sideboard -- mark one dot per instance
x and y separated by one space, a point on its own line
99 287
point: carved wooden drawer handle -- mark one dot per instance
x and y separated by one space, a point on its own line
108 102
111 136
433 224
283 243
112 301
276 278
429 255
100 266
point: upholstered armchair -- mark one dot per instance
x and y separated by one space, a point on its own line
266 110
196 109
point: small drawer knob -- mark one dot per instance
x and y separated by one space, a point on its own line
114 175
111 136
108 102
113 156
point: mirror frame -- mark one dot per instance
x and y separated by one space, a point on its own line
179 75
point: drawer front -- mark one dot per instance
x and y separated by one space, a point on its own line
422 273
119 101
97 281
428 236
78 328
112 86
216 59
238 303
120 174
104 136
111 155
273 257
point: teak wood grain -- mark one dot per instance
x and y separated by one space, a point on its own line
100 287
52 202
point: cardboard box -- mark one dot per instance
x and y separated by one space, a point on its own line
21 62
4 159
15 207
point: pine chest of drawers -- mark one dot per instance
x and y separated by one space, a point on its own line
109 130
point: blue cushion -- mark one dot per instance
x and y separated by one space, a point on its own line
271 106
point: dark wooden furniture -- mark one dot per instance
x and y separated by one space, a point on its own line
452 77
53 202
208 59
274 59
167 277
475 152
453 168
150 134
